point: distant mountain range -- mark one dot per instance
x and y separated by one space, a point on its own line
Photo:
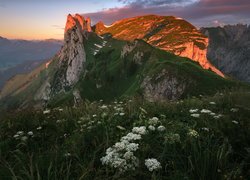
111 62
21 56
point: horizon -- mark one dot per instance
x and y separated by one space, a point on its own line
29 20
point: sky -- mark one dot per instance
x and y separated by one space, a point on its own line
44 19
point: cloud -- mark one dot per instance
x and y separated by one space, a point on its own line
198 12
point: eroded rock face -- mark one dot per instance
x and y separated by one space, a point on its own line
164 87
229 49
71 59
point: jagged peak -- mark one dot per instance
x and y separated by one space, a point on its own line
73 20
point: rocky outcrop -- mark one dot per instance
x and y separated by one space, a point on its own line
165 32
164 87
73 56
229 49
71 59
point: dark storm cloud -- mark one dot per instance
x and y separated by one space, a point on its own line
198 12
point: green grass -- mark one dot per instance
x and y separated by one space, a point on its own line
221 151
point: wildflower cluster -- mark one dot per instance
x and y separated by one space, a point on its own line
22 136
195 112
153 122
152 164
121 155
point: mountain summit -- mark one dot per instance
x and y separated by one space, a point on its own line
114 62
169 33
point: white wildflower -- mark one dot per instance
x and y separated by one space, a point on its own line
131 137
212 114
132 147
235 122
122 114
39 128
195 115
152 164
128 155
139 130
30 133
120 145
58 121
193 133
212 103
20 133
16 136
151 128
205 129
205 111
67 154
161 128
46 111
94 115
193 110
153 121
104 107
218 116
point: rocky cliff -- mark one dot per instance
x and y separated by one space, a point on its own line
229 49
71 59
165 32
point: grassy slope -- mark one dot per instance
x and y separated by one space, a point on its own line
121 77
71 141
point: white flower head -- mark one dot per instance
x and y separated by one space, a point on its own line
193 110
152 164
30 133
196 115
131 137
235 122
139 130
206 111
153 121
132 147
161 128
122 114
193 133
151 128
212 103
46 111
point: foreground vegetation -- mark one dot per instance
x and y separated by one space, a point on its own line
197 138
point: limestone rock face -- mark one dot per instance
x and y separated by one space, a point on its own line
71 59
164 87
229 49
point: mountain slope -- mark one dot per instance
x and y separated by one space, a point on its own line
229 50
165 32
95 67
17 55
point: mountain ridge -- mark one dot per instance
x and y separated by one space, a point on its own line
169 33
91 66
